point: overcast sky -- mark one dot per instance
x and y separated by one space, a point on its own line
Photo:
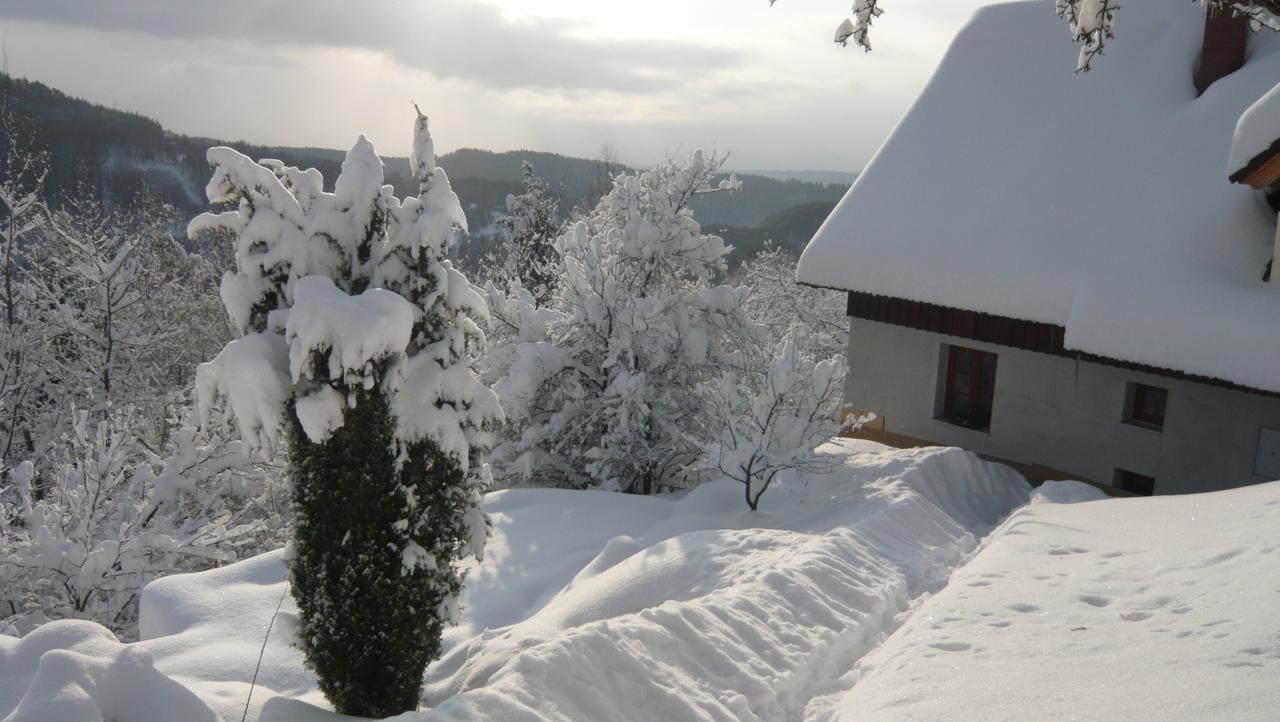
647 78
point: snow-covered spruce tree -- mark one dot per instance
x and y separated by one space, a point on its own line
603 387
771 414
532 223
356 338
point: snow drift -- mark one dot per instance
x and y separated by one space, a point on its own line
593 605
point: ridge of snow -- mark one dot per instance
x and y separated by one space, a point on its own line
595 605
1095 202
73 671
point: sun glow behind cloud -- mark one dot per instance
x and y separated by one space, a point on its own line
562 75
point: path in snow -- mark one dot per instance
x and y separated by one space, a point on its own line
588 605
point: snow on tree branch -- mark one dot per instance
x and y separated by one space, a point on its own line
771 416
1089 21
603 383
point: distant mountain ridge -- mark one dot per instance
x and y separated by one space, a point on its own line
825 177
118 154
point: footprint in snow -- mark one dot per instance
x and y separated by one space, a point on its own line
951 646
1024 608
1094 600
1135 616
1218 559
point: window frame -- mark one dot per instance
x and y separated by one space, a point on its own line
947 411
1133 413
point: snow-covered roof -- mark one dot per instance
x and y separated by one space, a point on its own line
1098 202
1257 133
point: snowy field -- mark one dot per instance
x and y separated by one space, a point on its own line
1153 608
594 605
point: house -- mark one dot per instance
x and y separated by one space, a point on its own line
1054 269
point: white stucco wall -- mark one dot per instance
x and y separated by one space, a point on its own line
1062 413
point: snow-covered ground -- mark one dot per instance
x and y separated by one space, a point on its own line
589 605
1161 609
594 605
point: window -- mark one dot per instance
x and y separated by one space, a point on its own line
1136 483
1266 462
1145 406
969 387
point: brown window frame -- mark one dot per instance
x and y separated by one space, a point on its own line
973 389
1135 414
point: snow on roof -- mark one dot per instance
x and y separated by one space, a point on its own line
1096 202
1256 132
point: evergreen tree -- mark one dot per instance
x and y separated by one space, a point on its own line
532 222
356 338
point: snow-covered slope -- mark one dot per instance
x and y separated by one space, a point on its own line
588 605
1098 202
1161 608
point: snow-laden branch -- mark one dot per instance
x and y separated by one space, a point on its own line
1090 22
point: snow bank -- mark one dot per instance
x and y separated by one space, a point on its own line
1066 492
594 605
73 671
1156 608
1113 219
714 613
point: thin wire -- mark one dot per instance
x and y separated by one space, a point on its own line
263 651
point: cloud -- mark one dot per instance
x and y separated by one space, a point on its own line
453 39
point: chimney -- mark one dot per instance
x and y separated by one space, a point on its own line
1225 36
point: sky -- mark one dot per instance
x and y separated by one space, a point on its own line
648 79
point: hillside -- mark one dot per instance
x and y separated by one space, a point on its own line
119 153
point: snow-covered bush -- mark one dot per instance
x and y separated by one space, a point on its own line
604 385
125 308
356 336
111 516
772 414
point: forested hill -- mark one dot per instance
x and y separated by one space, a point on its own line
118 153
